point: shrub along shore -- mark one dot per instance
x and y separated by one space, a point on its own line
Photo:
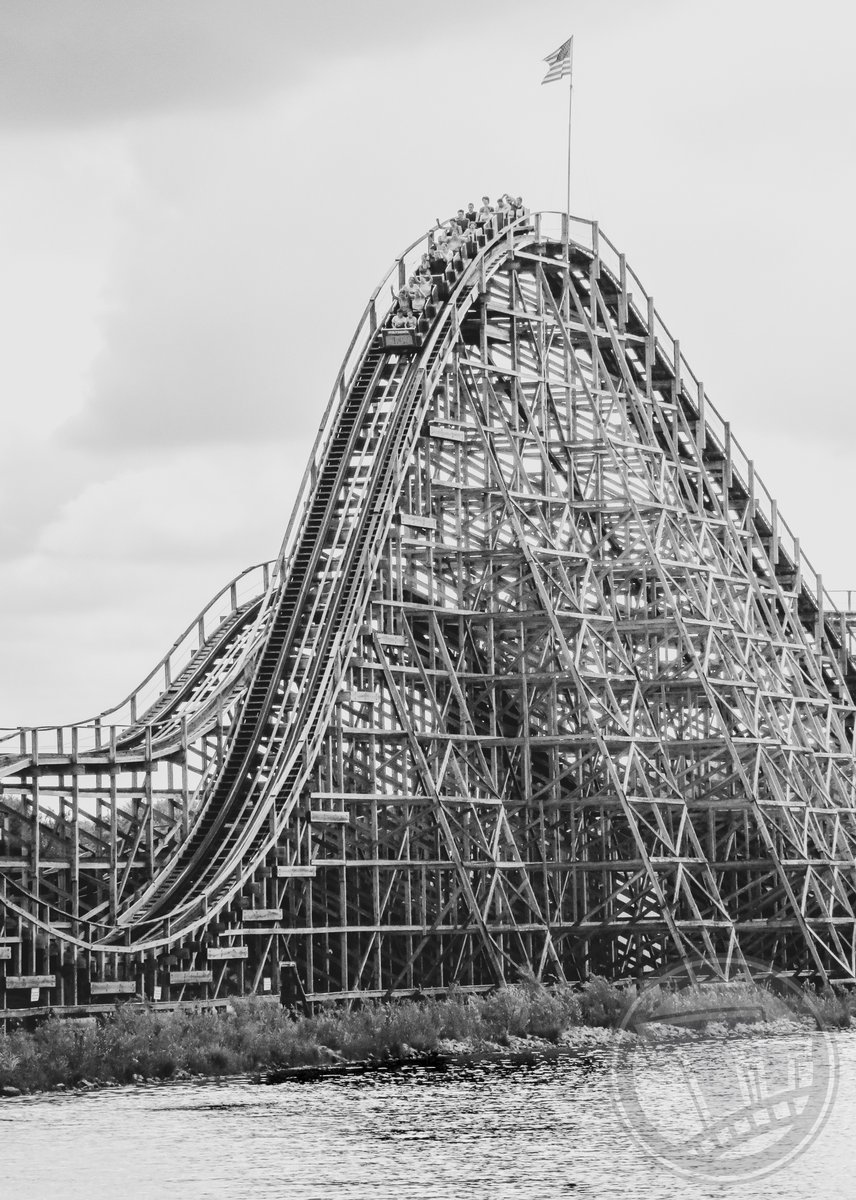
135 1044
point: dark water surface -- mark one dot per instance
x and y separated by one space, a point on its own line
496 1131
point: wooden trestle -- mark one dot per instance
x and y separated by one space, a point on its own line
540 682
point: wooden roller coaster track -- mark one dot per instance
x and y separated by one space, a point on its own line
539 682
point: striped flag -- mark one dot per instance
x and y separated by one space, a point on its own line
560 61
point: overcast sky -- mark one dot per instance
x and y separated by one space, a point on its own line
198 197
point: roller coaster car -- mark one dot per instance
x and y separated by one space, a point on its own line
401 340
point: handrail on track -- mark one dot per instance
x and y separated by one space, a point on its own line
607 255
95 733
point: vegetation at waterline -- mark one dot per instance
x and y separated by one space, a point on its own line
136 1044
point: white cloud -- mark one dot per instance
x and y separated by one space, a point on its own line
71 62
124 566
201 197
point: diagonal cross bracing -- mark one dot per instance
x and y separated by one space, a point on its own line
540 684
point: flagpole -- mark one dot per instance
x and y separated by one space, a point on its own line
561 62
570 109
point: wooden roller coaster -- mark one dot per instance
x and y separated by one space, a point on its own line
540 682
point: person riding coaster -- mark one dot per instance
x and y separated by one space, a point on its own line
420 291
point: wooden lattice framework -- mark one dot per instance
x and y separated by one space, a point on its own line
540 682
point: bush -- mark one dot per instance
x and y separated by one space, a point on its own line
603 1003
457 1018
551 1013
505 1013
830 1008
412 1024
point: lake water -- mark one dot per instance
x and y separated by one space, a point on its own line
552 1129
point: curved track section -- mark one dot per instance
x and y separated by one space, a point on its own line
539 681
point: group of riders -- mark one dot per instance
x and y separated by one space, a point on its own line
448 247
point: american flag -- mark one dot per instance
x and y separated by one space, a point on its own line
560 61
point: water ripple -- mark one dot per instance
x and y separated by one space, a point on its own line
494 1131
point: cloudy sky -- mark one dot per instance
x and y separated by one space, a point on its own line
198 196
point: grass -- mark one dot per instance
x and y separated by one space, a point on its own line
832 1007
254 1034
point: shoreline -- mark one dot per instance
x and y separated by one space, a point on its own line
521 1024
524 1052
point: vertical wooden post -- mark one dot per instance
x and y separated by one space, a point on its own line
185 792
650 348
701 427
150 805
622 295
774 532
75 829
114 826
36 826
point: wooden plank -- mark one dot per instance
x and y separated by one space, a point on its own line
446 433
413 539
294 871
5 953
220 953
77 1012
414 521
113 987
262 914
358 697
520 313
321 817
191 976
392 639
30 981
